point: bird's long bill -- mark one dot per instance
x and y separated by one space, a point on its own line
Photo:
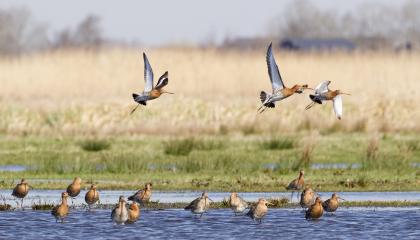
345 93
210 199
310 88
270 204
310 105
163 91
342 199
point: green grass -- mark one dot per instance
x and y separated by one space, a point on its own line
228 163
94 145
277 144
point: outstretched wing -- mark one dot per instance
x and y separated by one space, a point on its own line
322 87
148 74
163 81
273 70
338 106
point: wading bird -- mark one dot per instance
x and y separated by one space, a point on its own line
307 197
61 211
296 184
120 213
21 190
74 188
133 213
323 93
199 205
331 204
92 196
258 211
150 92
280 91
143 195
315 211
237 204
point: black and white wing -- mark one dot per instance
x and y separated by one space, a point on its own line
322 87
338 106
163 81
273 70
148 75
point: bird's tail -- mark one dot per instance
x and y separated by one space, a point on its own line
135 95
131 198
265 103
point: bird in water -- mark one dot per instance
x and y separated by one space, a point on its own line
316 210
21 190
200 205
237 204
258 211
307 197
120 213
150 92
92 196
133 213
143 195
297 184
331 204
61 211
279 90
323 93
74 188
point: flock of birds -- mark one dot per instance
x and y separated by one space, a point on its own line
279 90
123 214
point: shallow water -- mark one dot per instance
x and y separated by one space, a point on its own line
347 223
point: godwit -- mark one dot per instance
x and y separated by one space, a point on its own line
120 214
307 197
280 91
150 92
331 204
237 204
296 184
60 211
323 93
199 205
133 213
21 190
142 196
258 212
315 211
92 196
74 188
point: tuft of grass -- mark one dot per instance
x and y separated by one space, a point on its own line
372 151
179 147
307 155
4 206
278 202
277 144
95 145
42 205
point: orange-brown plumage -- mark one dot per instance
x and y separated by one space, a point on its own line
74 188
61 211
142 196
307 197
331 204
316 210
133 213
92 196
21 189
297 184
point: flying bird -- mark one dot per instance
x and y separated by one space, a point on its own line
323 93
150 92
280 91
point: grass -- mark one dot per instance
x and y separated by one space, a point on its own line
277 144
94 145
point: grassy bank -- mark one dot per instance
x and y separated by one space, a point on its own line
225 163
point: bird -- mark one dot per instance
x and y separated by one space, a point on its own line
74 188
331 204
150 92
297 184
323 93
237 204
307 197
61 211
258 211
92 196
143 195
200 205
133 212
120 213
21 190
279 90
315 210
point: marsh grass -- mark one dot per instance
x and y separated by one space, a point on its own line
277 143
372 154
306 155
4 206
95 145
184 146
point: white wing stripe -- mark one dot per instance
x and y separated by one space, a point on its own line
148 74
273 70
338 106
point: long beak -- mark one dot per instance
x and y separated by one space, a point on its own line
30 187
341 198
163 91
134 109
310 105
270 204
318 195
210 199
310 88
345 93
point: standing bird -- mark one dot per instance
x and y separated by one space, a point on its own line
307 197
150 92
199 205
21 190
315 211
323 93
120 213
258 211
92 196
143 195
296 184
74 188
237 204
62 210
331 204
133 213
280 91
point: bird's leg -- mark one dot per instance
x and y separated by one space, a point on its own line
201 215
310 105
291 198
134 109
21 204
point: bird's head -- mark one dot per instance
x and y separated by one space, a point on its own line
93 186
300 88
318 200
301 173
338 92
77 180
148 186
23 181
263 201
64 195
121 199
